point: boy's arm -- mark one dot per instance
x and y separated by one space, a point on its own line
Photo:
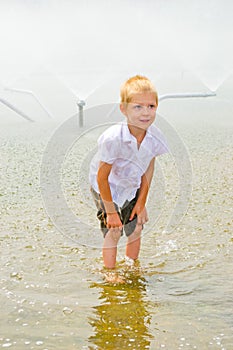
113 219
139 208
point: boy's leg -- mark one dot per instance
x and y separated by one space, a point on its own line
132 229
111 237
133 243
110 247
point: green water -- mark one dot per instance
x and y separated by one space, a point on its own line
52 289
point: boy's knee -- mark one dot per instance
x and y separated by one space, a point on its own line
113 234
137 232
138 229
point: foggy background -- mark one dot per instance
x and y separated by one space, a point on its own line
64 50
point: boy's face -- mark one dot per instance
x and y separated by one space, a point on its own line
140 112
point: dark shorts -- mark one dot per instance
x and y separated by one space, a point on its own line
124 213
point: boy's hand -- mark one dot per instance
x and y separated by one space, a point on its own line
141 213
114 221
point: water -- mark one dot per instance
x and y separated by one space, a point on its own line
52 290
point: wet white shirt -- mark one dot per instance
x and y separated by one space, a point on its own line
117 146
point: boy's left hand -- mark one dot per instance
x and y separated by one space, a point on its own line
141 212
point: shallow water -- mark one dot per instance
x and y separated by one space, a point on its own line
52 288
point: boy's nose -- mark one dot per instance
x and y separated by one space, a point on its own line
145 110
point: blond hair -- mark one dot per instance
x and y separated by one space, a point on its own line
135 85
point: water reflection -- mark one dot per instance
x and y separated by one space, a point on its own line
122 319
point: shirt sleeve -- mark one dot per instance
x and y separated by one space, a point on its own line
107 150
161 146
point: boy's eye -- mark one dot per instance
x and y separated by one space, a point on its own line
137 107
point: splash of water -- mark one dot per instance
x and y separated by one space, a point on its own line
213 78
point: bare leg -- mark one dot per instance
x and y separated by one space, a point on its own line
110 247
134 243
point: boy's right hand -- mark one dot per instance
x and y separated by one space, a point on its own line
114 221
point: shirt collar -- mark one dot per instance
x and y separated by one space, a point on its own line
128 137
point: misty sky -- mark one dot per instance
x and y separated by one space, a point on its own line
98 39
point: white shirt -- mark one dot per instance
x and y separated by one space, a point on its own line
117 146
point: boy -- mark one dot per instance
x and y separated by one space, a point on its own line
122 170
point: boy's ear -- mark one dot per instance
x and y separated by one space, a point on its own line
123 108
